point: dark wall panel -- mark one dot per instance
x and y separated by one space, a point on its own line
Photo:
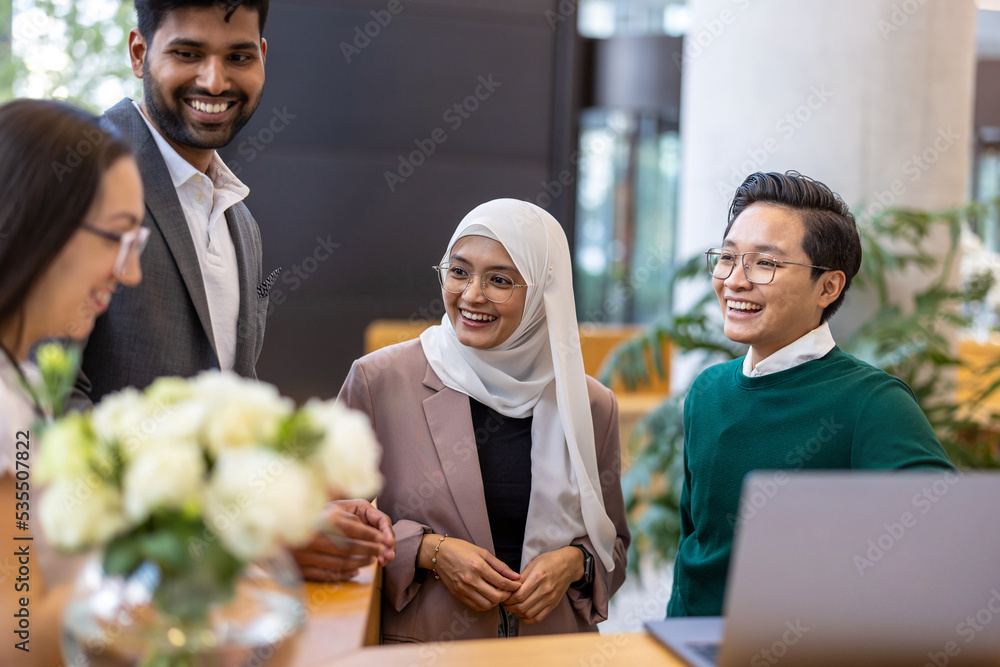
316 153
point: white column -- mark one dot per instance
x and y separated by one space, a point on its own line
872 97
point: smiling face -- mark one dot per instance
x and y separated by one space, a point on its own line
203 77
479 322
769 317
78 284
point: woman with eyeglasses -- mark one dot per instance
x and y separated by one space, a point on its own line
70 208
501 457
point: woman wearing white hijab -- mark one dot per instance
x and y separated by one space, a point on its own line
501 458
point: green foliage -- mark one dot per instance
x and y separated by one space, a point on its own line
193 572
298 436
93 50
58 367
7 65
915 343
652 484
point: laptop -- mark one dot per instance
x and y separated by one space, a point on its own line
856 568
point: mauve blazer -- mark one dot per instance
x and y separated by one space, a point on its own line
433 484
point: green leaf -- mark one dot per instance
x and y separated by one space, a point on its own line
165 548
298 436
123 555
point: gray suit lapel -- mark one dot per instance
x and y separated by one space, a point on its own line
244 251
164 208
450 422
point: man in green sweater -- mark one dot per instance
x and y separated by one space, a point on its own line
796 401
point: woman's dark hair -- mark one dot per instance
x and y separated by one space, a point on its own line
151 13
831 238
52 159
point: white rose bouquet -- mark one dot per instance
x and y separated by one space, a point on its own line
199 477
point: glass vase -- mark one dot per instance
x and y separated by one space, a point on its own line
114 621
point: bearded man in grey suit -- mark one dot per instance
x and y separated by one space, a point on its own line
203 300
202 66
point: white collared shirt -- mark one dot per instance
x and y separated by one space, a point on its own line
814 345
204 201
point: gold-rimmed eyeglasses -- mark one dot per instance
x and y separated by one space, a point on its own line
758 267
131 243
497 287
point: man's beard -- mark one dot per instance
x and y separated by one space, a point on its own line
175 128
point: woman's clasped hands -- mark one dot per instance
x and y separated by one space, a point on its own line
471 574
544 583
481 581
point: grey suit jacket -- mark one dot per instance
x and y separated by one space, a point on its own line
162 326
433 483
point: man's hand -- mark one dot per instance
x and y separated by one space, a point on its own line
366 512
471 574
356 534
544 583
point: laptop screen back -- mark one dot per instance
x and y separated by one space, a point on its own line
849 568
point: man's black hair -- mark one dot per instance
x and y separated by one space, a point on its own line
831 234
151 13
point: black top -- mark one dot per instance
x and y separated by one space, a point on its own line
504 445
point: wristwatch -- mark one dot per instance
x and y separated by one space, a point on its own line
588 569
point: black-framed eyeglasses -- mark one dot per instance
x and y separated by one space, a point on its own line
758 267
497 287
131 243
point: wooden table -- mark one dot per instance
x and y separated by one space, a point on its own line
581 650
343 618
343 631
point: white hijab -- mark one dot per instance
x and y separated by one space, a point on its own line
538 371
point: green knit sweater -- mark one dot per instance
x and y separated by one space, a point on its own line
834 412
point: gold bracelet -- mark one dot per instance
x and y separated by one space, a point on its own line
434 560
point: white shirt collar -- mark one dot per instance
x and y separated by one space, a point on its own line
182 171
814 345
224 179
